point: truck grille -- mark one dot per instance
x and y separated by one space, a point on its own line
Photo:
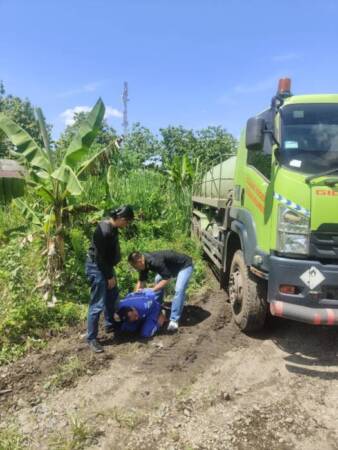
324 246
330 292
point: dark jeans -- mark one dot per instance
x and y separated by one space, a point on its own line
101 299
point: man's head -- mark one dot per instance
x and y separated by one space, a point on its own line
129 314
122 216
137 260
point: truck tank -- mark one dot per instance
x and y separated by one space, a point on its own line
217 184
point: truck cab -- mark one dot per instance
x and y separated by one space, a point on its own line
274 234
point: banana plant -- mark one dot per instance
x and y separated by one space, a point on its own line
181 172
57 183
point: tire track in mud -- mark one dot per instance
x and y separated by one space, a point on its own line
206 334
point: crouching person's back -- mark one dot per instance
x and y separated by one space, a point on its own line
140 313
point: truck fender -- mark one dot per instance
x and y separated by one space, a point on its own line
243 225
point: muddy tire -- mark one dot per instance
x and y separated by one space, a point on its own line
247 296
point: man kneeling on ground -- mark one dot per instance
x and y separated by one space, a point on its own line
140 312
166 264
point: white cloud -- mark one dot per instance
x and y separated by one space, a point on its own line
112 112
89 87
68 115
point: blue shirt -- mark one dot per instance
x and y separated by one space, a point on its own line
148 310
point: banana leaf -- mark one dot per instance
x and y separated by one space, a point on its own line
86 165
44 134
25 144
28 212
85 135
44 193
66 175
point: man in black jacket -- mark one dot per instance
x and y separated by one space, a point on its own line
167 264
103 255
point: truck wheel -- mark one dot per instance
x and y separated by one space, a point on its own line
247 295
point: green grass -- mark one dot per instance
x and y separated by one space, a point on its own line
128 419
11 439
66 374
78 437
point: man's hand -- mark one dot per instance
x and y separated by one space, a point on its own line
161 320
140 285
111 282
160 285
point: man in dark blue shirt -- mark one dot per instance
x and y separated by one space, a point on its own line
140 312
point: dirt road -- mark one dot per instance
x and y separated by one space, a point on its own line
208 387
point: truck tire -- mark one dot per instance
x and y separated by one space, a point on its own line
247 296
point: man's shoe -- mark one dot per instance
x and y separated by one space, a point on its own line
173 326
95 346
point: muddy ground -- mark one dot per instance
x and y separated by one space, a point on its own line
207 387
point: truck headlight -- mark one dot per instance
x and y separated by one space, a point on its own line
293 231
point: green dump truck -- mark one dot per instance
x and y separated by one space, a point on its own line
268 217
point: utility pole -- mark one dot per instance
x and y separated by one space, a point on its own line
125 109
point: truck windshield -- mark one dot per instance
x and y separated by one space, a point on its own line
309 137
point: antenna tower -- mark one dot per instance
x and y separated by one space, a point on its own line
125 108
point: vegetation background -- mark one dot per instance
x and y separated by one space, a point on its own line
153 172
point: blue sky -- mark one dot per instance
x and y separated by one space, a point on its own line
194 63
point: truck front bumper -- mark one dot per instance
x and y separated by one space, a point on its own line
316 300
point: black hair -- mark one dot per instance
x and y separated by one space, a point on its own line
123 212
123 312
134 257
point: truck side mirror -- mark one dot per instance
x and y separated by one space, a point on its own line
254 137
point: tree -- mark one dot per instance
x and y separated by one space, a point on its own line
214 144
57 183
22 113
142 141
207 145
177 141
139 145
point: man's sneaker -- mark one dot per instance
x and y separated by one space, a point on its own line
173 326
95 346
